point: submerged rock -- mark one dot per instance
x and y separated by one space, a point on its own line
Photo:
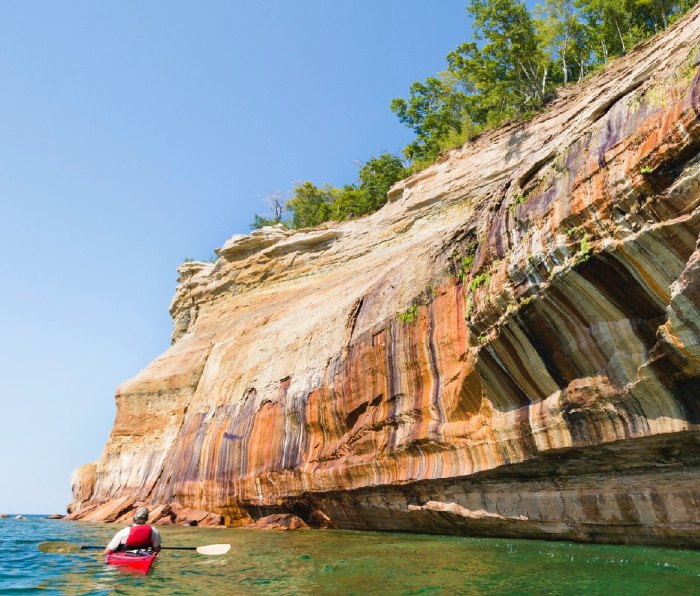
510 347
279 521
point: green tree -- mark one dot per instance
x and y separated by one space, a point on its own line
609 24
509 74
376 176
614 26
351 202
514 62
651 16
311 205
681 7
561 33
434 110
597 36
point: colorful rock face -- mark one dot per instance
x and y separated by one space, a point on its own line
510 347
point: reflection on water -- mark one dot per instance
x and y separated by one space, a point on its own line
330 562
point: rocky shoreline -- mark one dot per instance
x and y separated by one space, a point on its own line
121 511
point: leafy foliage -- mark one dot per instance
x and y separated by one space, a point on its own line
311 205
435 110
260 222
376 176
410 315
465 267
480 280
509 72
518 200
585 247
516 59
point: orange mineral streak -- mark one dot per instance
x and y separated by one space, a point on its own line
511 346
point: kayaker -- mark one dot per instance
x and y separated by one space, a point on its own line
138 536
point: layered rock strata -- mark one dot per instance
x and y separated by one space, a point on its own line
510 347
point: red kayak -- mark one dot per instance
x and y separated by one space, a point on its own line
139 560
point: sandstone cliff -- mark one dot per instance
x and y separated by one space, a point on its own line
510 347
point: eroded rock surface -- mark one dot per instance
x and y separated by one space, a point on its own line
279 521
510 347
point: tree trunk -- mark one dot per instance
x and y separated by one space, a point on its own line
664 17
622 41
544 82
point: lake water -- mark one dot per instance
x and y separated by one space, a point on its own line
334 562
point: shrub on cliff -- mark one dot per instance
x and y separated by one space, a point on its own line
311 205
376 176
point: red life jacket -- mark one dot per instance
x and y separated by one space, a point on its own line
139 537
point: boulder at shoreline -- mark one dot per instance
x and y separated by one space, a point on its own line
279 521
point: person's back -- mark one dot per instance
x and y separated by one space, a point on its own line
137 537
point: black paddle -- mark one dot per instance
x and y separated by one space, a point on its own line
63 546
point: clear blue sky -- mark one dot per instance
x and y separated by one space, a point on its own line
135 134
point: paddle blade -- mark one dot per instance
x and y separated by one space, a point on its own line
214 549
59 546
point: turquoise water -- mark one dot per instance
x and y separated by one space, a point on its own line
333 562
